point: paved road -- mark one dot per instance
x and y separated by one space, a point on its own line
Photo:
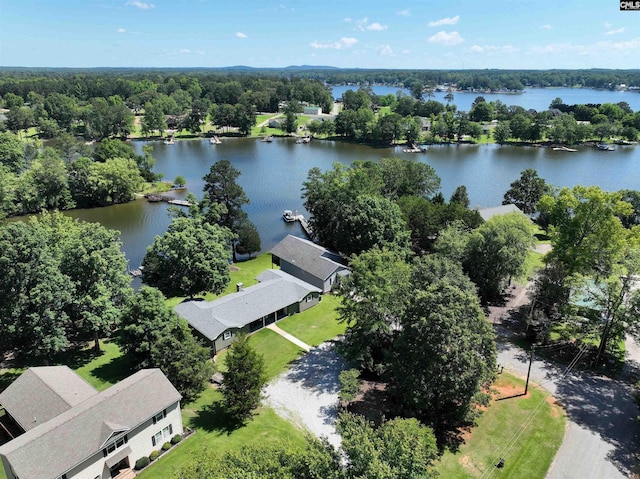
602 434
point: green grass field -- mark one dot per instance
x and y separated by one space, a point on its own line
315 325
527 457
208 419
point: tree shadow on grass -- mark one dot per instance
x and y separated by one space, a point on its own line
215 418
114 371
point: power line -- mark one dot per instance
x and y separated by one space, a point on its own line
527 422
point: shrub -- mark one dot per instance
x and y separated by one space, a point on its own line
349 385
154 455
142 462
176 439
166 446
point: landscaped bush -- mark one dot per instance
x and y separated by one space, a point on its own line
142 462
166 446
154 455
176 439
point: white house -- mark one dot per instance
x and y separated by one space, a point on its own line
73 431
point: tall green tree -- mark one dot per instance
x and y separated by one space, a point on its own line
497 251
373 302
185 362
585 229
34 294
243 380
192 257
443 359
397 449
145 318
248 239
527 191
221 187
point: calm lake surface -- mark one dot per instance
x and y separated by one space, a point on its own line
273 173
537 98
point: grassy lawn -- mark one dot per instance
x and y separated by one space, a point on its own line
246 274
277 351
106 369
155 187
208 419
532 453
317 324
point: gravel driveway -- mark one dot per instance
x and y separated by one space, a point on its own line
307 394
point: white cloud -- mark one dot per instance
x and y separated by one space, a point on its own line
363 24
241 35
386 51
615 32
404 13
347 20
608 25
445 38
546 26
445 21
121 30
139 4
376 27
494 49
344 42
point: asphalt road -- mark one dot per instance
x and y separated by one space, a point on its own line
601 440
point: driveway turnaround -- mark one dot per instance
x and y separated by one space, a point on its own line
307 394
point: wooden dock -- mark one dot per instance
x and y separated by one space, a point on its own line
179 202
305 225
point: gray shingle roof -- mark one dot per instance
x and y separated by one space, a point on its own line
488 213
65 441
308 256
42 393
276 290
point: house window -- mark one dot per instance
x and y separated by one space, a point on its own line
160 416
309 298
167 431
156 438
227 335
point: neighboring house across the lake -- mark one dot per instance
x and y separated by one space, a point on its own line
309 262
488 213
66 429
276 296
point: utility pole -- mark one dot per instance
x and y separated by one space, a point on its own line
526 387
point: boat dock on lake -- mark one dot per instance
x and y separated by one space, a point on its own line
179 202
289 216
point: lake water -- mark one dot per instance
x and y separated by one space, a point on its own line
273 173
536 98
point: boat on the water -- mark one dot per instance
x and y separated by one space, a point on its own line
604 147
305 139
215 140
288 216
267 139
170 141
563 148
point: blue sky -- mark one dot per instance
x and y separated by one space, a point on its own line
417 34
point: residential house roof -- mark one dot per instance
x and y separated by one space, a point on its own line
275 291
53 448
42 393
488 213
308 256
